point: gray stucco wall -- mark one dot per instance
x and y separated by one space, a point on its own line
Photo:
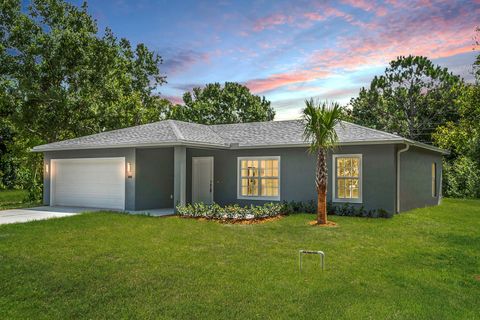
152 182
298 174
154 178
416 178
128 153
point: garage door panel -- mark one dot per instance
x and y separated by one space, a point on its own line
90 182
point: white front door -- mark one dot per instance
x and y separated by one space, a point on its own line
202 179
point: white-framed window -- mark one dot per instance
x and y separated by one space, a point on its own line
434 179
258 178
347 178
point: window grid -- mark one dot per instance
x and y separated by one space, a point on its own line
259 177
348 177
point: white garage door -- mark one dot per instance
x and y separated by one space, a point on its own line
88 182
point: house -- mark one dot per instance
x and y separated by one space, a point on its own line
162 164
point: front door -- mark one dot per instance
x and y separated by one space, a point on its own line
202 179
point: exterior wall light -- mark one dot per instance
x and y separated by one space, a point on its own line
46 168
129 169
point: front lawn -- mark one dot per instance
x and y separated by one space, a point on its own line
10 199
423 264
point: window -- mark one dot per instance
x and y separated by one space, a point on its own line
434 179
259 178
347 182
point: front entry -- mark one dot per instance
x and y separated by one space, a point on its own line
202 179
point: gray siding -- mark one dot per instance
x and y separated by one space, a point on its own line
416 178
298 174
152 183
128 153
154 179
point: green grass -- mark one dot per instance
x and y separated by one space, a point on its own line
10 199
421 264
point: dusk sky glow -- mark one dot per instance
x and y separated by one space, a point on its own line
292 50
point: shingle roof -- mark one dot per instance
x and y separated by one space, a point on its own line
291 132
255 134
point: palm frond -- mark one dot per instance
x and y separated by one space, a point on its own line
320 120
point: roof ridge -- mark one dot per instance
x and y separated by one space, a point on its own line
376 130
175 129
253 122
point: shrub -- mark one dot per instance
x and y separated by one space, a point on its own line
462 178
299 207
230 212
348 210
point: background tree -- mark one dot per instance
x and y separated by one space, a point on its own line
59 78
462 167
412 98
320 121
215 104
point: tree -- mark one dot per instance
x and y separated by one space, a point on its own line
215 104
320 121
59 78
412 98
462 138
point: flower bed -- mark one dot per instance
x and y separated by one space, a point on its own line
231 213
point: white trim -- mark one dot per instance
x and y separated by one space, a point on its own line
235 146
53 168
239 196
212 177
334 179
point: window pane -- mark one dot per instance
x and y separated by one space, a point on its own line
340 167
348 174
252 168
269 168
355 167
269 187
244 191
249 187
355 189
252 187
341 188
348 167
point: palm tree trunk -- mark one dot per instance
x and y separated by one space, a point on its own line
321 182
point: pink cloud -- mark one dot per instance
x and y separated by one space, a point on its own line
270 21
435 33
369 6
174 99
327 12
281 79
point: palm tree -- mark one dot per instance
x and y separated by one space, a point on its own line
320 121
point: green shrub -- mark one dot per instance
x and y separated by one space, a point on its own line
230 212
291 207
462 178
348 210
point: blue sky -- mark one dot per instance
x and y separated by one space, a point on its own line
292 50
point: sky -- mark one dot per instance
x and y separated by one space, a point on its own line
288 51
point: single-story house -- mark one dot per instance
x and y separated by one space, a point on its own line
166 163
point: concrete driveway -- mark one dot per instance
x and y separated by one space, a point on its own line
42 213
38 213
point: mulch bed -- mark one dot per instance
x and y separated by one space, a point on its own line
330 224
237 221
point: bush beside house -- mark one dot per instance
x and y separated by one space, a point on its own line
269 210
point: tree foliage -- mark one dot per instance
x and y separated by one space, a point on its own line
60 78
462 138
412 98
215 104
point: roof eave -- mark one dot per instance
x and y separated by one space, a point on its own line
131 145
